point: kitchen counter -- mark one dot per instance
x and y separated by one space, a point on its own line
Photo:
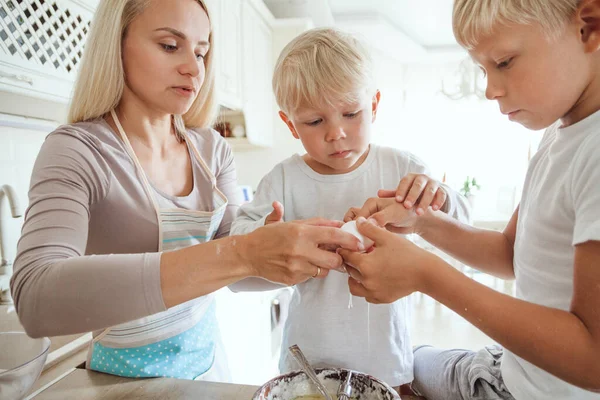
85 384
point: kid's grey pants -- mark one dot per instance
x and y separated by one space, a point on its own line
459 374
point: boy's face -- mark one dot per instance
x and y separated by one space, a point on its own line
336 138
536 80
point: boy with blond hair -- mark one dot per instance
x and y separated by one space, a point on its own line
324 86
542 62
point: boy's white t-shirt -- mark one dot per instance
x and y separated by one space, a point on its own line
374 339
560 208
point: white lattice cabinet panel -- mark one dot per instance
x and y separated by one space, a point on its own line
41 45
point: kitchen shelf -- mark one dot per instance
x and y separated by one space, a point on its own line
242 144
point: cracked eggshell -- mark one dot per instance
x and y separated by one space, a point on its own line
351 228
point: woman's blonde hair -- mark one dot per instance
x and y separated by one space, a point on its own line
472 19
101 78
320 67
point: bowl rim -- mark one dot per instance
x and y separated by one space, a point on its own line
46 343
321 369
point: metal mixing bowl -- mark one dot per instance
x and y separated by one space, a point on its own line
21 361
296 384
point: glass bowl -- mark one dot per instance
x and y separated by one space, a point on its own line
21 362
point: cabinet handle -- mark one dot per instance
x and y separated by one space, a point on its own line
15 77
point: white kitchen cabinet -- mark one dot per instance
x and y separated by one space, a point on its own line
257 55
41 44
227 18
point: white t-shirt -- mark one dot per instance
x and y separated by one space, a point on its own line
560 208
374 339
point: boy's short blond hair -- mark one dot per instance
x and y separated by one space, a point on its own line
473 19
320 67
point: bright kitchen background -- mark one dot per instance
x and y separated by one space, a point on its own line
417 58
457 133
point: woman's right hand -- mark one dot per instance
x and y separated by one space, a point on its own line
289 253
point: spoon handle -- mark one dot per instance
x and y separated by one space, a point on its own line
345 389
299 356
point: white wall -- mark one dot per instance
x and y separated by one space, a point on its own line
18 150
253 165
458 138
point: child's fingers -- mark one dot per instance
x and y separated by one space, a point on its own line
392 216
427 197
369 229
351 214
415 191
386 193
356 288
351 258
276 215
439 200
370 207
353 272
382 218
403 187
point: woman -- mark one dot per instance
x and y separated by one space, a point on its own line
126 200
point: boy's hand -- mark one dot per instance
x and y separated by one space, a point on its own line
417 190
395 268
276 215
386 213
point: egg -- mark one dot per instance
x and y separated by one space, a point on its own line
351 228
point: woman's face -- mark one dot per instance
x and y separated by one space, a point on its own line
163 56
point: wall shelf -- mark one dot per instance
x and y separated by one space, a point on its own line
242 144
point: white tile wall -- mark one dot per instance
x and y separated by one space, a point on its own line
20 141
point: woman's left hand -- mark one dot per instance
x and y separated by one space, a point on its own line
394 269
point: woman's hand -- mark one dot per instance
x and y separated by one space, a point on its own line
276 216
418 191
386 213
289 253
394 269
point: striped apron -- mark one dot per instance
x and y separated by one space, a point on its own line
183 341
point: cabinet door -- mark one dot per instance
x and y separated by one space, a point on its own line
259 109
227 21
41 44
